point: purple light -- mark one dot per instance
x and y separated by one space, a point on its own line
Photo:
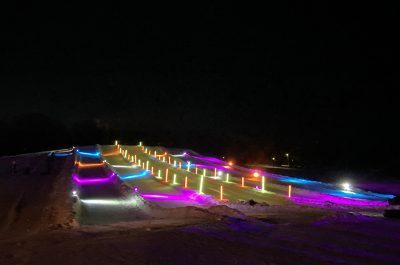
92 181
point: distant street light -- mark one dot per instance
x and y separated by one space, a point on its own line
288 160
273 161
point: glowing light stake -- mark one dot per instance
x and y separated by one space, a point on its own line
174 181
147 165
163 159
188 166
169 160
152 170
263 184
215 171
159 173
140 143
132 159
180 165
166 175
116 142
227 178
135 159
196 170
174 163
242 182
145 150
221 191
139 163
155 153
186 182
143 165
129 156
290 191
126 152
201 184
204 172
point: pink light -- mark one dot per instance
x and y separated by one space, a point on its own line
91 181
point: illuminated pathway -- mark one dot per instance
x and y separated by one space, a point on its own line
99 193
162 177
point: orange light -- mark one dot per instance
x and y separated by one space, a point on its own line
242 182
166 175
290 191
230 163
221 192
91 164
186 182
256 174
112 153
152 170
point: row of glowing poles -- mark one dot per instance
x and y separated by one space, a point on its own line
134 159
346 186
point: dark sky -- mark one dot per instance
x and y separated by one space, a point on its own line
308 72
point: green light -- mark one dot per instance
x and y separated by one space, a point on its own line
227 178
263 184
201 184
174 181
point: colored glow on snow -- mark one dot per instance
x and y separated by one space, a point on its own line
92 180
121 166
96 154
144 173
179 155
110 202
91 164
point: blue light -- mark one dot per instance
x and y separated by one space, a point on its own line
144 173
63 154
89 154
298 180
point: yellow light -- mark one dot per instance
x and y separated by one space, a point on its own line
221 191
242 182
256 174
230 163
152 170
186 179
290 191
166 175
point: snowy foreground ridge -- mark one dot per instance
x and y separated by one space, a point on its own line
42 223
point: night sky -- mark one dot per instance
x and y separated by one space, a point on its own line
314 79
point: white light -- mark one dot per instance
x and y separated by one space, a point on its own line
219 173
74 193
346 186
